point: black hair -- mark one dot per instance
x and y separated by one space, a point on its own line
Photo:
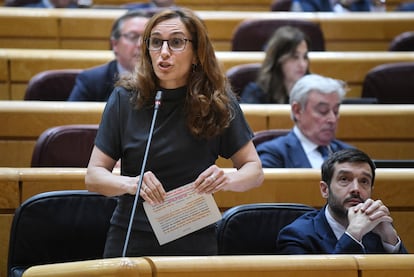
343 156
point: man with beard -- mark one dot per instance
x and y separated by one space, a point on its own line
314 102
96 84
351 222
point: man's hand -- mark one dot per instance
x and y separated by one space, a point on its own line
367 216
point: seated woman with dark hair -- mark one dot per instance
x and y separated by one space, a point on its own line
285 62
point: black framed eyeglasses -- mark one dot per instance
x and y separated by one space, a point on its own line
174 44
133 38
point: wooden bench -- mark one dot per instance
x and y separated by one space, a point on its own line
394 186
383 131
125 267
269 265
17 66
90 28
384 265
219 5
22 64
220 266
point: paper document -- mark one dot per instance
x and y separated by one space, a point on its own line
183 211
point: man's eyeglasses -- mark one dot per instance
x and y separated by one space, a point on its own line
174 44
133 38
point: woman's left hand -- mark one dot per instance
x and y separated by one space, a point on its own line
211 180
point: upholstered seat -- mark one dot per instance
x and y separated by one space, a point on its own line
394 163
59 226
65 146
266 135
240 75
51 85
403 42
281 5
253 34
252 229
390 83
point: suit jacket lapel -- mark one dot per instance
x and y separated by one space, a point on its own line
296 153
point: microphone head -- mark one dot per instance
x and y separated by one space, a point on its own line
158 97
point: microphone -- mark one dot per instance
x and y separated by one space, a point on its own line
141 176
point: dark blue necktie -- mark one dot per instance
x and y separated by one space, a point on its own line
324 151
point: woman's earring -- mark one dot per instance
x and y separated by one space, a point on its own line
194 67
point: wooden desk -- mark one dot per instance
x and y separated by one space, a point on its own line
394 187
90 28
22 64
246 265
17 66
384 265
383 131
219 5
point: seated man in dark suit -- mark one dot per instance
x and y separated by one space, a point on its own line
96 84
314 102
351 222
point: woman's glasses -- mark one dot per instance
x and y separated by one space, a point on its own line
174 44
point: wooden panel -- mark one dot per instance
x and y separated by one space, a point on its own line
4 91
221 5
18 90
350 67
280 185
384 265
234 5
85 44
394 186
404 224
5 223
25 64
383 150
4 68
240 266
15 22
364 26
343 32
125 267
30 118
9 200
9 184
365 122
383 131
72 24
18 153
30 43
376 122
38 180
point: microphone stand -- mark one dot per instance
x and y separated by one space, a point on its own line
141 176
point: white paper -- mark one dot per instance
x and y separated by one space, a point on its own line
183 211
